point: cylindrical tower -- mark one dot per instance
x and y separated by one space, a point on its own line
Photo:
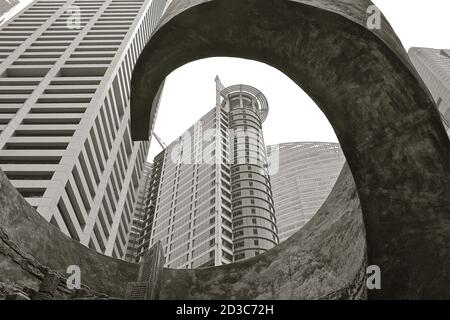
254 222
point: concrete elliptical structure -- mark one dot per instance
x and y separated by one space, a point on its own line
362 79
433 66
384 117
306 174
65 139
211 202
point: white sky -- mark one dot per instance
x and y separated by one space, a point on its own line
190 91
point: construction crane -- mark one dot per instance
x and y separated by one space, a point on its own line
161 143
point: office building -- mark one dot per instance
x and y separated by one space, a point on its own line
210 201
65 144
306 173
433 66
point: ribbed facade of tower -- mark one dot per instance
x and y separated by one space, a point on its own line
306 173
139 213
65 139
254 223
191 209
433 66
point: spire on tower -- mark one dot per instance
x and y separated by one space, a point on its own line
219 88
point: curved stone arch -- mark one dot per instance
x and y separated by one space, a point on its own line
362 80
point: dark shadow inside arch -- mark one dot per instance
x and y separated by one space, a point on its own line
362 80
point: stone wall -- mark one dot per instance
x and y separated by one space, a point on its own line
30 246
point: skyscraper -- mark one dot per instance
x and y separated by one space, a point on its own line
433 66
307 171
65 139
211 201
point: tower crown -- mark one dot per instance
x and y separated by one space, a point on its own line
248 91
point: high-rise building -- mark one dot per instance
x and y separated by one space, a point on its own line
65 144
433 66
306 174
139 213
210 201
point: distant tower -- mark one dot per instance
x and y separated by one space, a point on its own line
307 172
433 65
210 201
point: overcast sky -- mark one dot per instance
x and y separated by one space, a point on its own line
190 91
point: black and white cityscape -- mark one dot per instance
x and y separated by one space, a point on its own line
89 210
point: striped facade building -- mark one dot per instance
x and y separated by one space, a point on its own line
65 144
307 172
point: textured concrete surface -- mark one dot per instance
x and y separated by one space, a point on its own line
29 246
363 81
326 259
